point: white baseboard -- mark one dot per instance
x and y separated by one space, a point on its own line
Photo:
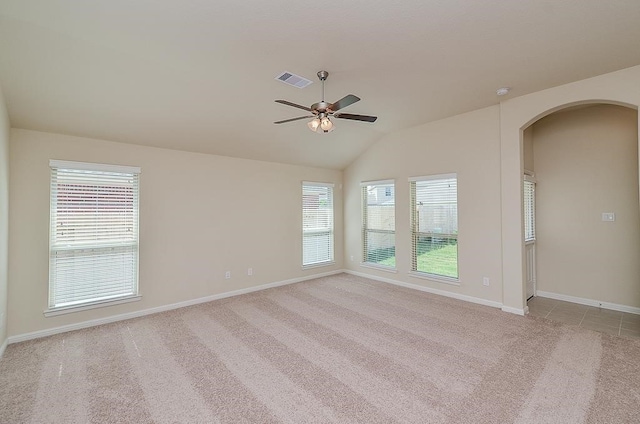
445 293
3 347
589 302
516 311
164 308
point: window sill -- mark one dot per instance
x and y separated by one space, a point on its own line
52 312
435 278
318 265
379 267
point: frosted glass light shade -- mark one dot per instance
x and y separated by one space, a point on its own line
314 124
326 124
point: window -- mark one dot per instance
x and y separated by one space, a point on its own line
529 209
93 244
434 225
379 224
317 224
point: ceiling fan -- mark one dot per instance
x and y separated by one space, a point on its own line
321 111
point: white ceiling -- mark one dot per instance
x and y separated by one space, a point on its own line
198 75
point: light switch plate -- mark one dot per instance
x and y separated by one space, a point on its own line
608 216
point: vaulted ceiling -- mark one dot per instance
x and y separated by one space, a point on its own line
198 75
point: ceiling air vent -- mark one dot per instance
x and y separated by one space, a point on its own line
294 80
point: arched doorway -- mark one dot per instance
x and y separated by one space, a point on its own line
585 160
619 88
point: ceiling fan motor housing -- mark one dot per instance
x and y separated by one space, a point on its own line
320 107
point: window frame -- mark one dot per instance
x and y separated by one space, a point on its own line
329 231
529 219
58 168
364 188
414 234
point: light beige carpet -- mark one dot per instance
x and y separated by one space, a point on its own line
340 349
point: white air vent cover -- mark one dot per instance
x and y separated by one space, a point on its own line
294 80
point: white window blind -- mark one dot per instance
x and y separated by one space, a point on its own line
529 210
379 223
317 223
434 225
93 255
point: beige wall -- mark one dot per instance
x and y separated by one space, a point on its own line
185 258
4 215
527 151
197 221
586 164
468 145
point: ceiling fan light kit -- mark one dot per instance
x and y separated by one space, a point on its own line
321 124
322 111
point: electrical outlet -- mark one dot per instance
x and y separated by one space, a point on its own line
351 258
227 274
250 271
485 281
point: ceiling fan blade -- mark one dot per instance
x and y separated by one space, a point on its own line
293 119
284 102
347 100
365 118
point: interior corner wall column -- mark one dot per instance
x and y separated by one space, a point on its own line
5 127
511 168
639 153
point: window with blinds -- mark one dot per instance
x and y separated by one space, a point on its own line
529 210
93 247
317 224
379 223
434 225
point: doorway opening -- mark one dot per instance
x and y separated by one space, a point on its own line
586 219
